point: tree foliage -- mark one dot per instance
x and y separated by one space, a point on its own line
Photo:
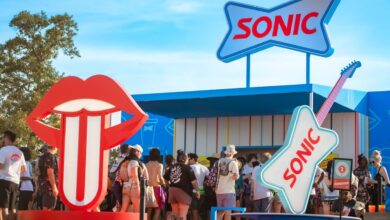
26 67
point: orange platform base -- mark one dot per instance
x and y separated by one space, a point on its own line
76 215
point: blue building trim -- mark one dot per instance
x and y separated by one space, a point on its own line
270 100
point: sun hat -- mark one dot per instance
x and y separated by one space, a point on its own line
214 156
137 147
359 206
231 150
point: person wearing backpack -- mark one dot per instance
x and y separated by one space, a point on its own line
210 197
228 173
116 188
131 170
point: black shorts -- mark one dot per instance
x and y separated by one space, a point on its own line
25 197
48 200
8 191
196 203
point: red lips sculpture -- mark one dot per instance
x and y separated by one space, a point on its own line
85 137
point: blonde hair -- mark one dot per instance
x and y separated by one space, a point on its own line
376 156
265 157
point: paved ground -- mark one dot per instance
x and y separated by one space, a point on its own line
377 216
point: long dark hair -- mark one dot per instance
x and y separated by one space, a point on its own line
26 153
362 158
154 154
131 156
181 156
169 161
329 170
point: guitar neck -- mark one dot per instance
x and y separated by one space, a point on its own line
325 108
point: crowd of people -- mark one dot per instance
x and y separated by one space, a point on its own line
23 181
181 188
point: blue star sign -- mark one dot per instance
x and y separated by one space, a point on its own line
297 25
291 171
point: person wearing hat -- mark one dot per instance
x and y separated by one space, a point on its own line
131 170
228 174
212 159
381 178
359 209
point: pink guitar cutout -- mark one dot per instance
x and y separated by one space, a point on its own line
290 170
346 73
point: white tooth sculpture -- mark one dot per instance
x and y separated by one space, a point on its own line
93 105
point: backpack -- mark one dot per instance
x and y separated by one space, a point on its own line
112 174
42 164
224 167
123 174
211 180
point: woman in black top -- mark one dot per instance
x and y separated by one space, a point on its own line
381 178
182 181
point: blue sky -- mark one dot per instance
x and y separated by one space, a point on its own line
155 46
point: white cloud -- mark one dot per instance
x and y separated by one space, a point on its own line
163 71
183 7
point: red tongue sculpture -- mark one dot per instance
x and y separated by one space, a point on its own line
83 141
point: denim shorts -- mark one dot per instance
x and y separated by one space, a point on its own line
226 200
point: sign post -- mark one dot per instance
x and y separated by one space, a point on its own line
341 178
342 173
311 95
248 71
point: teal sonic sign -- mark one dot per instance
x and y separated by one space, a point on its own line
297 25
291 171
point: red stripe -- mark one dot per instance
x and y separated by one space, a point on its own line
340 181
81 161
250 130
216 139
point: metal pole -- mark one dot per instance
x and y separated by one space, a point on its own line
311 100
311 96
248 71
307 68
341 203
142 199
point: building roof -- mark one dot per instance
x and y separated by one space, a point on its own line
248 101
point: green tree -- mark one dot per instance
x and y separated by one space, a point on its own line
26 68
